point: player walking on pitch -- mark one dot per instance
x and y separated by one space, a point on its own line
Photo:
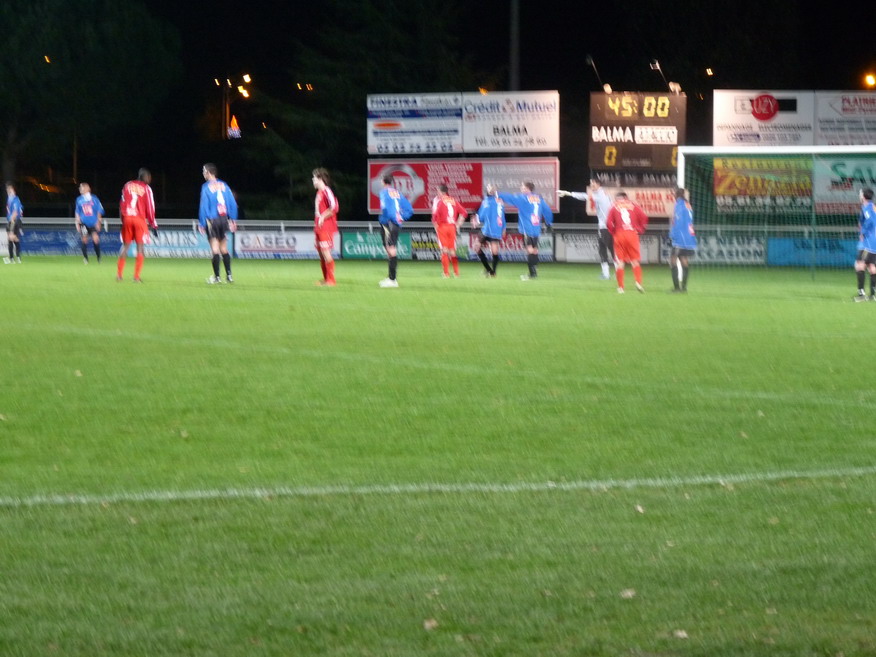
137 209
866 259
684 241
217 215
395 209
532 210
626 221
325 224
447 216
14 232
598 196
491 217
89 215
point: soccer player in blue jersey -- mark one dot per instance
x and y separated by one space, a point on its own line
491 217
14 232
89 214
532 210
395 209
603 204
684 241
217 217
866 259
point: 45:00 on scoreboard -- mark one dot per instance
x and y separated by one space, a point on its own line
636 130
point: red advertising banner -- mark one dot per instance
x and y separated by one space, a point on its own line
466 179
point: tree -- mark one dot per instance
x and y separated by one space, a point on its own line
81 67
361 47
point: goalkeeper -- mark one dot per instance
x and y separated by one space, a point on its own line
596 194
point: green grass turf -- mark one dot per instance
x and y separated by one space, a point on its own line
454 467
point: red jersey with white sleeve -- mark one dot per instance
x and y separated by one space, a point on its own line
626 216
137 201
326 201
445 210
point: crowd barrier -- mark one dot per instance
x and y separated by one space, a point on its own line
800 246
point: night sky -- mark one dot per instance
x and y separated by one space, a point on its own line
779 45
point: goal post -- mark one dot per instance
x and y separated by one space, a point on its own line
782 206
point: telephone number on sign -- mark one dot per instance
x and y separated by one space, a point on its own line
415 147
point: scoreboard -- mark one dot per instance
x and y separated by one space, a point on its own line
636 130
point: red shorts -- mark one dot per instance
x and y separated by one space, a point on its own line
133 229
447 236
324 238
626 246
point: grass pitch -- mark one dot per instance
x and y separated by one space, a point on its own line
454 467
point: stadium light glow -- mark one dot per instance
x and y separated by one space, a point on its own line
870 80
247 78
48 59
710 72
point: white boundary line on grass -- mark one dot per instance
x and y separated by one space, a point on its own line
426 488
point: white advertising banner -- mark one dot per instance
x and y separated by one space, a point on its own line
655 201
837 182
844 118
501 122
763 118
414 124
279 245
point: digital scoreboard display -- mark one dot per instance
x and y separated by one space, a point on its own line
636 130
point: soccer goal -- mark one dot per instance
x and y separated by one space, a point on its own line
792 206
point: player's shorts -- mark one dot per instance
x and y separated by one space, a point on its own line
447 236
678 252
85 231
530 240
390 234
14 227
867 257
626 246
133 229
324 239
486 239
217 228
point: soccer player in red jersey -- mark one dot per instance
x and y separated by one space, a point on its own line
325 224
447 216
626 221
137 209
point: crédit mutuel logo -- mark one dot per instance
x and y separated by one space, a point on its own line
765 106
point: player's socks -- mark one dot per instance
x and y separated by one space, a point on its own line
18 250
620 277
138 266
330 271
860 275
216 259
85 250
872 284
97 251
323 267
684 273
496 259
226 262
531 261
483 258
121 267
637 274
455 261
393 267
445 264
605 271
11 249
674 271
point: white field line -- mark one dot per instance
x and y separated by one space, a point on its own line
426 488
